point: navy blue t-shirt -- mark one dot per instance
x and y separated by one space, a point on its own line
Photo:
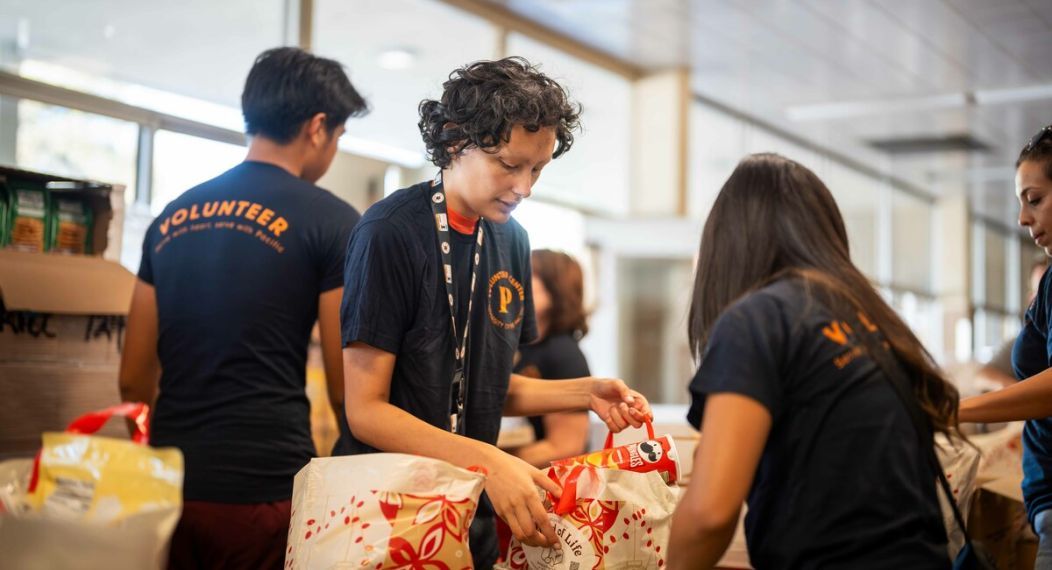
841 482
238 263
556 357
1032 354
395 299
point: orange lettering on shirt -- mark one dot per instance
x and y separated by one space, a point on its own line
867 323
279 225
227 208
207 212
164 225
193 212
505 298
265 217
179 216
253 211
835 333
241 205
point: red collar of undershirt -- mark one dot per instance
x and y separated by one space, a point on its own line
462 224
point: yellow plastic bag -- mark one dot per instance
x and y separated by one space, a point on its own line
117 501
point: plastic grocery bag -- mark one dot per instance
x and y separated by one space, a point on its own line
90 501
382 510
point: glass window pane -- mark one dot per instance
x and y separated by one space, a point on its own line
996 269
654 297
858 198
181 162
126 49
396 61
717 144
62 141
911 242
595 173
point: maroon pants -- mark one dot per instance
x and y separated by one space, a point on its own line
227 535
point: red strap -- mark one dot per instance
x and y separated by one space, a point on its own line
92 422
568 501
610 435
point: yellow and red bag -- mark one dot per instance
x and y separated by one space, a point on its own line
111 503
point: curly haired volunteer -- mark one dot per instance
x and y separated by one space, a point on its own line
437 298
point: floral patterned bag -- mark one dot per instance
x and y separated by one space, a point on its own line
382 510
607 519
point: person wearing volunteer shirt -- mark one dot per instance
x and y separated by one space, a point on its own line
1031 398
235 272
798 415
437 299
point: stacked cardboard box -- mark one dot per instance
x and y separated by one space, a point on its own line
61 316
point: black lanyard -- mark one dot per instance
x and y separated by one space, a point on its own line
460 344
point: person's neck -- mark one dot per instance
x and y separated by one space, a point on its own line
287 157
461 216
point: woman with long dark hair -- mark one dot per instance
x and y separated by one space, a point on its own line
797 417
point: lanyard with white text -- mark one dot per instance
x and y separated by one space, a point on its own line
460 345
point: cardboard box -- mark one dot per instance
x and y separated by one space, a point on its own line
62 320
998 521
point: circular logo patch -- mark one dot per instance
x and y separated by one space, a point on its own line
507 300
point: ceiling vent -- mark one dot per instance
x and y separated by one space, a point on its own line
930 145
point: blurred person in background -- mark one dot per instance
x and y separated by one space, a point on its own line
798 415
998 372
558 300
221 318
1031 398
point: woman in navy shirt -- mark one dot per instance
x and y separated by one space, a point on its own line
1031 399
796 416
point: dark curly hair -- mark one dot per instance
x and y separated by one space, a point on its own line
1039 151
481 102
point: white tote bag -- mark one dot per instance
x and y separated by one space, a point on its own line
382 510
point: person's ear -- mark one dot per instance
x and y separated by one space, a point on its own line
317 133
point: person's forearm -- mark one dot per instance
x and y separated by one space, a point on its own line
535 397
1028 400
995 376
693 547
391 429
539 453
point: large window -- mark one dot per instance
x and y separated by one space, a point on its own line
397 52
595 174
62 141
182 161
141 51
911 243
717 143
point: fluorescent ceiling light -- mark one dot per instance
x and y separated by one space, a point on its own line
1013 95
396 58
876 107
851 109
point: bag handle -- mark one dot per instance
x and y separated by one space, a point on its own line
568 500
610 435
92 422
